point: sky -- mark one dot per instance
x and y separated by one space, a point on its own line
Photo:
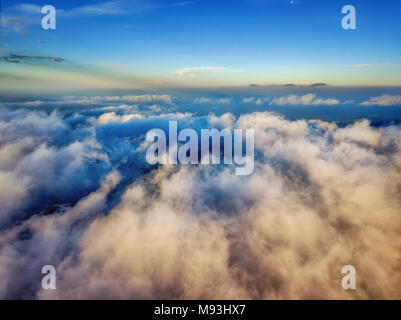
172 44
76 190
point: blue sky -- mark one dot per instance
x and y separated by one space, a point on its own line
138 44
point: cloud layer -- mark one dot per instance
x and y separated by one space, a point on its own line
77 193
305 100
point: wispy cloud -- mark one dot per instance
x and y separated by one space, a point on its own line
369 65
294 84
112 7
105 8
27 8
193 72
15 58
183 3
96 100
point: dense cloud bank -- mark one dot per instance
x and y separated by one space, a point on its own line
77 193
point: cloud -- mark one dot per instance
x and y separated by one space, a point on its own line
318 84
27 8
112 117
383 101
305 100
105 8
194 72
96 100
368 65
115 227
31 163
113 7
15 24
19 17
254 100
184 3
15 58
202 100
211 100
226 120
293 83
34 103
127 98
140 98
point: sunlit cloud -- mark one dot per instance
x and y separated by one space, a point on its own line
319 193
194 72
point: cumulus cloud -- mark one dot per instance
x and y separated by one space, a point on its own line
112 117
383 101
305 100
38 163
321 197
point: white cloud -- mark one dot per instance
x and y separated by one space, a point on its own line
194 72
28 8
305 100
319 193
210 100
113 7
141 98
112 117
202 100
87 101
224 121
105 8
384 101
257 101
368 65
286 231
35 103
